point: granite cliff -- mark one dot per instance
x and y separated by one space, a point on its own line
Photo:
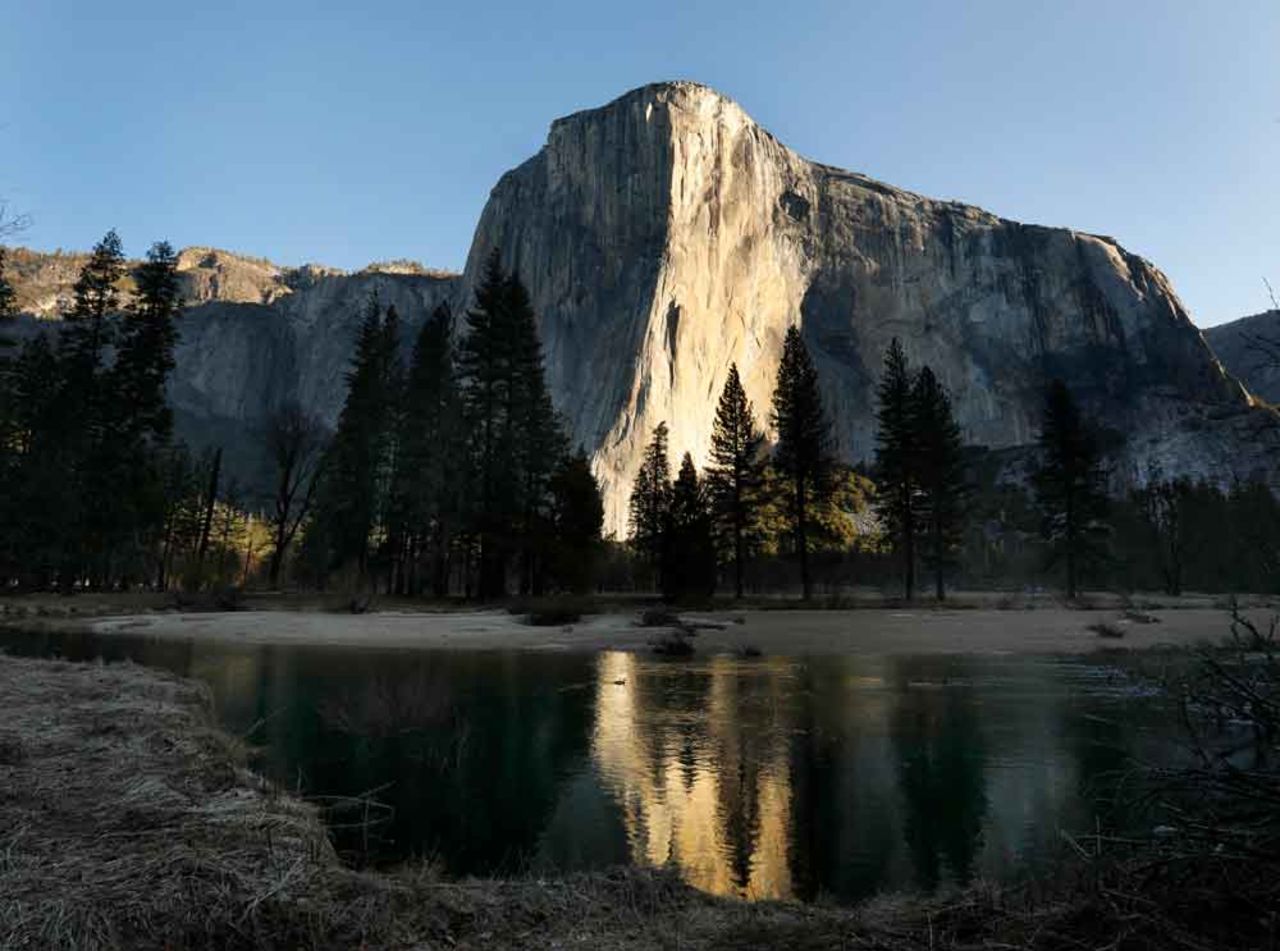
666 234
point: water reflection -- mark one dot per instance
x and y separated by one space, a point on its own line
767 778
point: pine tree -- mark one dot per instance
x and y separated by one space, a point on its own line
736 475
485 367
516 437
897 461
576 520
689 557
1070 486
802 455
651 501
940 465
431 456
538 440
352 497
145 355
97 298
87 441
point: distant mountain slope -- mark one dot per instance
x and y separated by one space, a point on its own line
252 336
1250 349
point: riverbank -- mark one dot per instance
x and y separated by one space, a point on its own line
129 821
863 631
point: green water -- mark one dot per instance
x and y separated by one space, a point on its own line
776 777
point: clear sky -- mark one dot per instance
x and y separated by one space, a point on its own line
346 133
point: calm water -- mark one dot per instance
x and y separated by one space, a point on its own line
763 778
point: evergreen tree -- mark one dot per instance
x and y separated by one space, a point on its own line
138 421
802 455
940 464
538 440
1070 486
485 367
576 520
651 501
97 297
145 355
735 477
516 437
689 556
352 497
430 458
86 440
897 460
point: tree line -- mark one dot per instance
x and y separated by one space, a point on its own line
452 474
937 511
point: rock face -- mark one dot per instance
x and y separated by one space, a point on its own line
251 336
1250 349
667 235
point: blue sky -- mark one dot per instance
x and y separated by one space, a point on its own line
349 133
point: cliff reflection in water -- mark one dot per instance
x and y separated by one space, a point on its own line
769 778
780 778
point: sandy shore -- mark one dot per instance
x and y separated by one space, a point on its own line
1050 630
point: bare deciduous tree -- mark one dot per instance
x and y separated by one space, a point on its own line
296 441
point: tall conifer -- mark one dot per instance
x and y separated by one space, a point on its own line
1070 486
736 475
689 556
940 465
897 461
651 501
802 454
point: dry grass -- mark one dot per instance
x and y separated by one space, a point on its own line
128 821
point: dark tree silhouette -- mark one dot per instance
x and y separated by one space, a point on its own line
944 491
897 460
735 478
802 455
1070 486
295 441
431 460
689 556
352 494
577 516
515 436
650 502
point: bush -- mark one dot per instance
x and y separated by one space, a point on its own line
551 612
659 617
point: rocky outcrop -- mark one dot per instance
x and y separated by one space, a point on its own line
666 235
1250 349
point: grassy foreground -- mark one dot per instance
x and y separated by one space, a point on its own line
128 820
